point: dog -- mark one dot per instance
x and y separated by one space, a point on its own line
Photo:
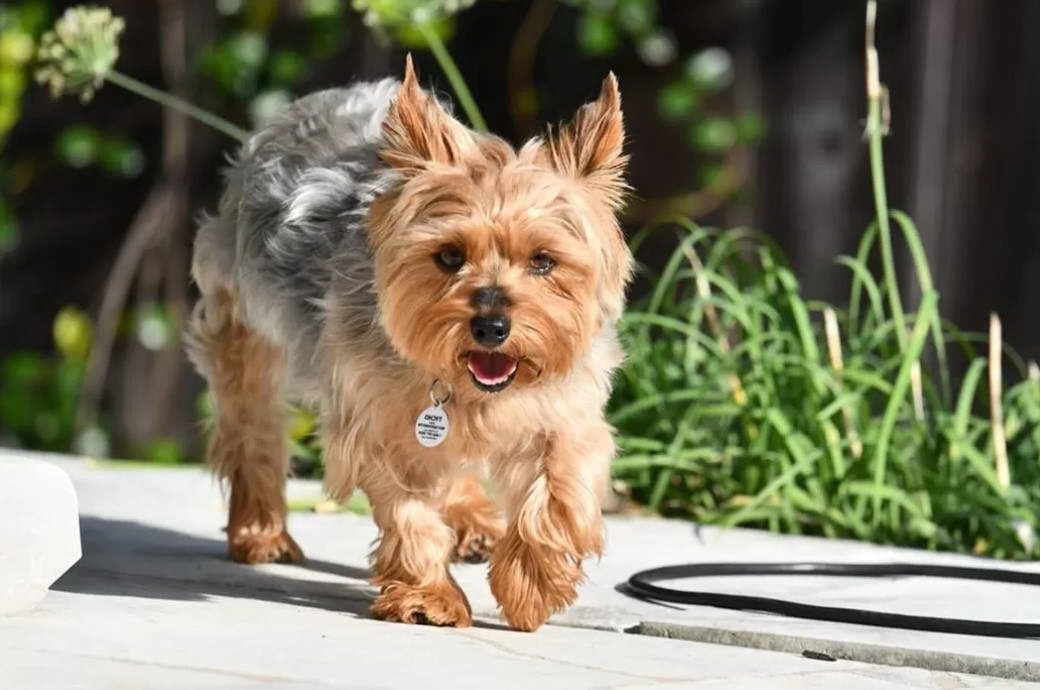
448 304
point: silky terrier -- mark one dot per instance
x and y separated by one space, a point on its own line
449 305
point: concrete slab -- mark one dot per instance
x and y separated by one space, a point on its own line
39 530
155 601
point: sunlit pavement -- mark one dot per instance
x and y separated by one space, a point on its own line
154 602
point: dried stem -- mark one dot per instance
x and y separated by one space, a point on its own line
830 323
996 407
704 292
878 117
917 390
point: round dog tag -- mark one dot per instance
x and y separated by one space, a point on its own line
431 427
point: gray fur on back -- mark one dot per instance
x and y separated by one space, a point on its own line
297 197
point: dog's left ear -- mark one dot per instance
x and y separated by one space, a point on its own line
419 132
590 147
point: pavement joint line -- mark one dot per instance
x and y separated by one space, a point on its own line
571 664
173 667
846 650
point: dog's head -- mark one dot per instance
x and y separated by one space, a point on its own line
497 267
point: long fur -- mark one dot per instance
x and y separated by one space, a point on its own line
318 273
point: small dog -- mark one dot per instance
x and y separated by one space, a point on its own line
449 304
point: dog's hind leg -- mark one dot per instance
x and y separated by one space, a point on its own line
248 446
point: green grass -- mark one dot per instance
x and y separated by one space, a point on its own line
116 464
732 408
743 403
357 504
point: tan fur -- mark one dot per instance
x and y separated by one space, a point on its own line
543 440
441 604
475 519
247 447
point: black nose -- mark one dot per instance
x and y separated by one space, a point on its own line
489 330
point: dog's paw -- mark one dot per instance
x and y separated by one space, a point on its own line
477 523
532 584
440 604
474 543
255 546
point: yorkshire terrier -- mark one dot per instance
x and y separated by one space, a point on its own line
448 303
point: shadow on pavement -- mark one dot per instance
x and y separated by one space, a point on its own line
126 558
131 559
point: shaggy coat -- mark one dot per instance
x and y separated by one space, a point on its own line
362 236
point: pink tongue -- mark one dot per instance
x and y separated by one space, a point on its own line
491 367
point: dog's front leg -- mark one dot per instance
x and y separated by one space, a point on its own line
555 521
411 560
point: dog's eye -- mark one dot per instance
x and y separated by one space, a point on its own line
450 259
541 263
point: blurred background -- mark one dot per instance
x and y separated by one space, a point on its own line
740 112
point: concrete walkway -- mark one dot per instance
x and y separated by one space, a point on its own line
155 603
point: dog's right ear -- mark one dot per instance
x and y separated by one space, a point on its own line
418 132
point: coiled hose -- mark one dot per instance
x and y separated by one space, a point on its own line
642 585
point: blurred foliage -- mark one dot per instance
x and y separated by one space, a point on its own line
394 13
20 23
305 443
265 52
695 99
82 146
401 20
606 24
152 326
8 227
38 393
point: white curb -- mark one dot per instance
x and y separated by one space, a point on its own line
39 529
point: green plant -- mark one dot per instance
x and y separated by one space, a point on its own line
744 404
19 24
38 393
79 54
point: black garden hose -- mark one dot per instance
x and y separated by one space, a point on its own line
641 585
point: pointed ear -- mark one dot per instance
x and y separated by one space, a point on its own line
591 145
418 131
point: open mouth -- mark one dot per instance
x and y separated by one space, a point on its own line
490 371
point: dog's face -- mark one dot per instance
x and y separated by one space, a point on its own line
495 268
